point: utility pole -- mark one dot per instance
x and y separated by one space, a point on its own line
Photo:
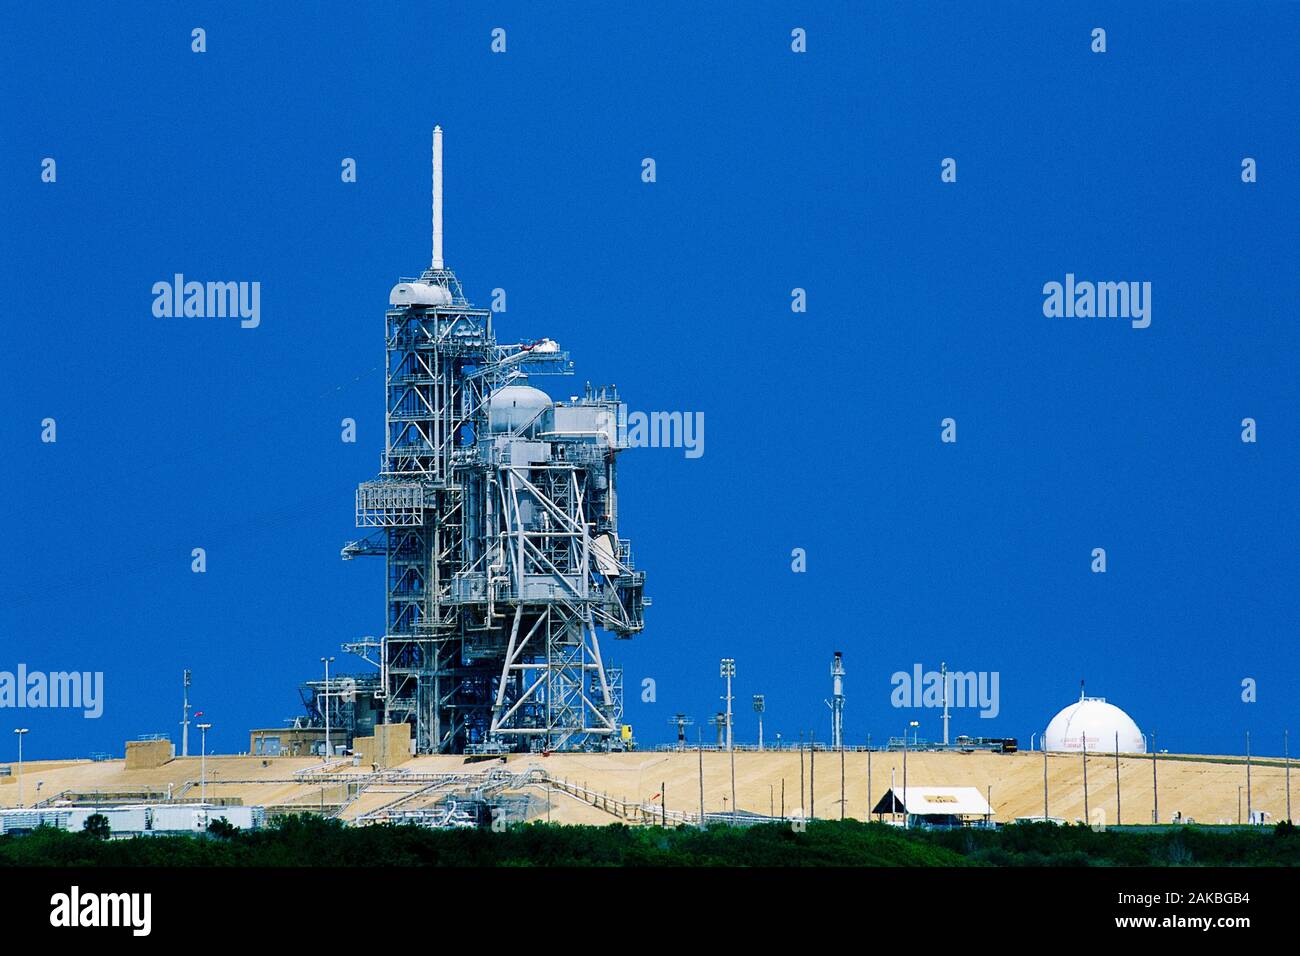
802 803
783 798
812 776
728 671
869 797
1118 810
1155 784
699 731
732 755
185 713
943 674
893 796
1286 753
841 782
1086 819
1250 818
1044 784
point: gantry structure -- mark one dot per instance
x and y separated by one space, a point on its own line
496 511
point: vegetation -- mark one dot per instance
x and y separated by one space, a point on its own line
314 841
97 827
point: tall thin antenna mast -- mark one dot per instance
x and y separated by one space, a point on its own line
437 198
185 715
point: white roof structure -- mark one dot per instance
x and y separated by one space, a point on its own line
1092 722
935 801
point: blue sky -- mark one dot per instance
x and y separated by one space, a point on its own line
775 171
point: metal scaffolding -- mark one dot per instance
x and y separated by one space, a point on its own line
495 509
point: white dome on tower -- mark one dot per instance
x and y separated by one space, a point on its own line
513 408
1099 722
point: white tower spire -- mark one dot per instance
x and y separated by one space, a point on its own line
437 198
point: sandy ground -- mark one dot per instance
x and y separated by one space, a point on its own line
1204 788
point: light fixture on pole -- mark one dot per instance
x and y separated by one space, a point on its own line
329 749
760 705
913 723
203 761
21 732
728 672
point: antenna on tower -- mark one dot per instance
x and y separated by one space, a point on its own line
437 198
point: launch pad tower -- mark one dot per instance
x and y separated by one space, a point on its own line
496 511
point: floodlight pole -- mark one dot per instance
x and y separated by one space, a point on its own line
21 732
329 749
203 763
905 814
728 671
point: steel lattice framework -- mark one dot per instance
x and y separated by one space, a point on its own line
499 529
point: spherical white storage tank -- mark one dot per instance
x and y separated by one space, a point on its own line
1099 722
515 406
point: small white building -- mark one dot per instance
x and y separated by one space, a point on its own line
940 807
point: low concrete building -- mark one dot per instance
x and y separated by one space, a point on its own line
294 741
147 754
390 746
